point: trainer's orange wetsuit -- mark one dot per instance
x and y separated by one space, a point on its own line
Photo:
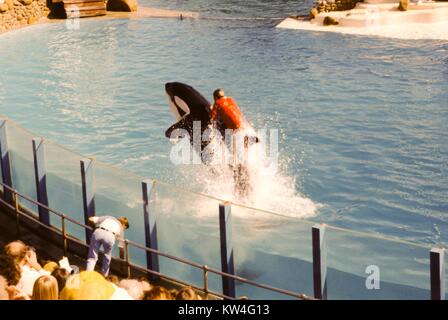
228 111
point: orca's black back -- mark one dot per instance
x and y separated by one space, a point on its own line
198 105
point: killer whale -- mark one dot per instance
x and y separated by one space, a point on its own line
188 106
185 100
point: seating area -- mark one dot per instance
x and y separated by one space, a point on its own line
26 276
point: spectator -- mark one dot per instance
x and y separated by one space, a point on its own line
91 285
157 293
24 268
51 266
87 285
187 293
17 294
120 294
3 289
61 275
10 265
113 279
108 229
144 283
133 287
173 293
9 269
46 288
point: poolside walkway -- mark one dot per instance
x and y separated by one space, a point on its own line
422 21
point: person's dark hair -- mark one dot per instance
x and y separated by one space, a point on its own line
124 221
61 276
9 269
13 254
218 93
187 293
173 292
113 279
143 278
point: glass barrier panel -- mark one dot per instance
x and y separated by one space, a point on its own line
272 250
362 266
64 187
119 193
22 163
268 249
187 227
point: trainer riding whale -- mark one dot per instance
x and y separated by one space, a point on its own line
224 115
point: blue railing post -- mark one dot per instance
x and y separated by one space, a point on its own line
227 262
437 265
152 259
4 161
40 174
319 262
88 192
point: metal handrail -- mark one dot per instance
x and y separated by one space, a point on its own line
27 198
220 273
69 237
204 268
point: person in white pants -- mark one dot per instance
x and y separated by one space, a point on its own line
107 230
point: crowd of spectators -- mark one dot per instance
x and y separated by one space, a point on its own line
22 277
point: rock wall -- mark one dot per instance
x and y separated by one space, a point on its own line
122 5
335 5
17 13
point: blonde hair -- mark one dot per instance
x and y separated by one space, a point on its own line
124 222
157 293
46 288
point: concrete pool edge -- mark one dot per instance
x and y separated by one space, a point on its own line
425 21
141 13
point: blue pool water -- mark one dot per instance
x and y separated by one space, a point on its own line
363 121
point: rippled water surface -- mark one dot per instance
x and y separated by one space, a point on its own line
363 121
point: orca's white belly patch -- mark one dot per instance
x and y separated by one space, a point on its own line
179 104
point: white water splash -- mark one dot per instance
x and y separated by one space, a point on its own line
270 188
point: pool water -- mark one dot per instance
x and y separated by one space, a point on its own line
362 121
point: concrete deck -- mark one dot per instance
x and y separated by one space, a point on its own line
427 20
